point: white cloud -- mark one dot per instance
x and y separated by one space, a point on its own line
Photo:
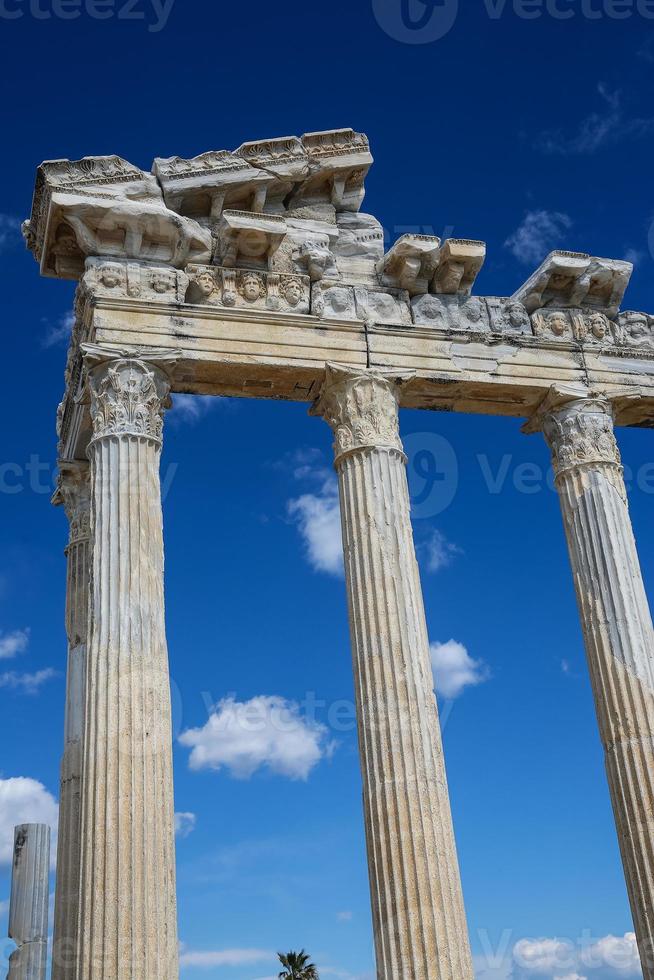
223 957
192 408
344 916
24 800
58 331
13 643
265 732
454 669
439 552
318 518
539 233
10 235
184 824
608 958
604 128
634 255
28 683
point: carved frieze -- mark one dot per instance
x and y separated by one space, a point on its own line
459 263
338 161
382 306
248 289
593 328
333 300
136 280
632 329
473 314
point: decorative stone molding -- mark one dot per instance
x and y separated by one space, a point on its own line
459 264
575 279
128 395
103 206
361 408
411 263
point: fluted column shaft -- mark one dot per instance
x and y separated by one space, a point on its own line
28 907
417 903
618 634
128 910
74 492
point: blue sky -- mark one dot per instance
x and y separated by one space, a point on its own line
529 132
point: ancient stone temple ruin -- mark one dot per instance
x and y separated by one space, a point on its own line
254 273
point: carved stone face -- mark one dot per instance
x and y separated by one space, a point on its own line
339 300
252 288
637 326
293 293
161 282
431 308
205 283
517 315
598 326
557 324
473 311
110 275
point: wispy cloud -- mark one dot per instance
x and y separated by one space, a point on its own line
223 957
13 643
188 409
317 513
10 235
27 683
267 732
539 232
57 332
454 669
606 127
184 824
438 552
603 959
23 800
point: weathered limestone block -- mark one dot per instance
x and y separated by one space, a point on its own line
382 306
140 280
128 908
249 240
418 915
410 264
333 300
248 289
311 237
460 261
74 492
575 279
616 622
338 160
284 159
358 248
634 330
104 206
507 316
28 906
202 187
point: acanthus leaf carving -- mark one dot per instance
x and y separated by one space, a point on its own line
128 397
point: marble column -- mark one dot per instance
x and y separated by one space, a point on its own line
73 492
28 906
128 925
418 913
617 628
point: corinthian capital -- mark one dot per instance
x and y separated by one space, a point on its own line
74 492
361 406
128 393
578 427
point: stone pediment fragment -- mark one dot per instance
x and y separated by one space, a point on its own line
575 279
104 206
459 264
410 264
338 161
